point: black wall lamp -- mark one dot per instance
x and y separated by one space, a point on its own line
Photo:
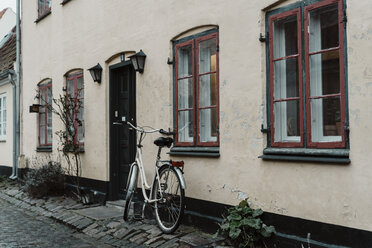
96 72
35 108
138 61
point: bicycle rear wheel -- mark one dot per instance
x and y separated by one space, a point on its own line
170 206
131 187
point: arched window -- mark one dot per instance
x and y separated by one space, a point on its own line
45 113
196 89
75 91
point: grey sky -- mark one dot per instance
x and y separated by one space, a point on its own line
8 3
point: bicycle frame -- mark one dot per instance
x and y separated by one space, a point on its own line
142 173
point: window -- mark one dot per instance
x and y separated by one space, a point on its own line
44 7
2 117
196 89
45 114
307 83
75 90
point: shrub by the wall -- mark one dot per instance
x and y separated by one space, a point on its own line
47 180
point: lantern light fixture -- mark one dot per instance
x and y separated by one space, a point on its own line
138 61
96 72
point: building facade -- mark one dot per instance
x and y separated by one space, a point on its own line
269 101
7 89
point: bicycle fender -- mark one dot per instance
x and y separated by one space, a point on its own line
180 175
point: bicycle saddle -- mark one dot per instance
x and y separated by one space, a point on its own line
163 141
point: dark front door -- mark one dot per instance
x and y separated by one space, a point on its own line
122 141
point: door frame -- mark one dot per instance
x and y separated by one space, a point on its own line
114 167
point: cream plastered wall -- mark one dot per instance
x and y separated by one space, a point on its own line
6 146
84 32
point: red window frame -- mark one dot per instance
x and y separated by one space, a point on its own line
195 86
272 19
198 41
43 89
305 35
340 48
74 78
43 9
186 43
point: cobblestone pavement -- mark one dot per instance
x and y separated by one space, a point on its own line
42 224
20 228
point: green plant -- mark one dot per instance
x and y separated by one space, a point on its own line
243 226
46 180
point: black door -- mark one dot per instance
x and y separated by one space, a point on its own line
122 141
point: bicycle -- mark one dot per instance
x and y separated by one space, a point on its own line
167 192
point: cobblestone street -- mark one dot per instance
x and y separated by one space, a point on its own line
64 222
22 228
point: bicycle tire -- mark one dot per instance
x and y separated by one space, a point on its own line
131 187
169 210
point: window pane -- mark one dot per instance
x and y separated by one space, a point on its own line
42 135
42 115
80 125
286 82
71 87
324 73
208 125
184 61
185 126
287 121
326 120
207 56
50 95
208 90
285 37
50 134
80 87
323 28
49 116
185 93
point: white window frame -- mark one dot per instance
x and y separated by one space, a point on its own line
3 118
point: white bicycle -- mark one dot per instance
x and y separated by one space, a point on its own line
167 191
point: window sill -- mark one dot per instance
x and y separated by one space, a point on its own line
81 150
213 152
44 149
3 141
43 16
337 156
65 1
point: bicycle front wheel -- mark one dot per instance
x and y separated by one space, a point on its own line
131 187
171 199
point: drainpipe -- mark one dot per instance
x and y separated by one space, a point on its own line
18 88
14 168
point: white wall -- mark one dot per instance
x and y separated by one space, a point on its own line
82 33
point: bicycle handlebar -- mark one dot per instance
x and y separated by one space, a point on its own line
141 130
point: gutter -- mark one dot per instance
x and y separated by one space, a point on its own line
18 88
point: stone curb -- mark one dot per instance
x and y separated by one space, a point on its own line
114 232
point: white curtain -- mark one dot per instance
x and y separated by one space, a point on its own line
2 117
185 134
316 78
205 118
284 113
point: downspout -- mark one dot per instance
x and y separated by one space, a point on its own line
14 168
18 88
